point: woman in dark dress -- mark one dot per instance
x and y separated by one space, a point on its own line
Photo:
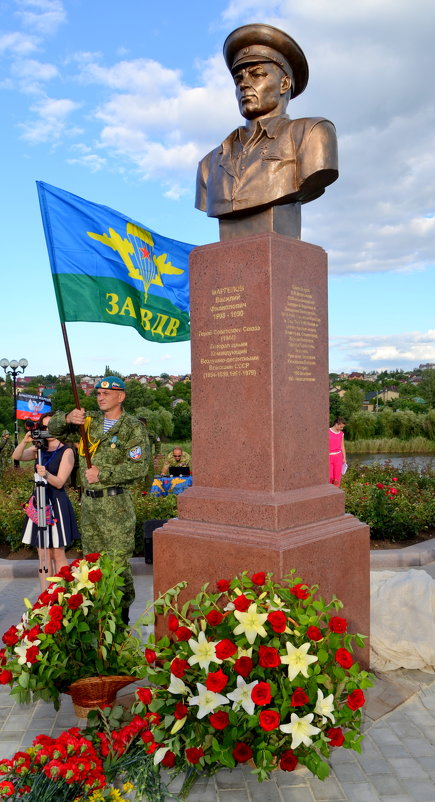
57 463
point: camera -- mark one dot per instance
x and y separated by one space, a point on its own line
39 434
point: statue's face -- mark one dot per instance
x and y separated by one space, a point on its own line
261 89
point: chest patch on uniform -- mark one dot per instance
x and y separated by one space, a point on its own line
135 453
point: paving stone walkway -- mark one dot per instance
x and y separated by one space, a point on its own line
397 763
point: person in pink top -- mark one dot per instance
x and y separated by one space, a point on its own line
337 451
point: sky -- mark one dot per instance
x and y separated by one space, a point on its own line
117 102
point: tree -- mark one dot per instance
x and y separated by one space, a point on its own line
426 388
182 390
108 371
335 410
352 400
182 421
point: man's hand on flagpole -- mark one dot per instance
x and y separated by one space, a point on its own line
76 416
92 474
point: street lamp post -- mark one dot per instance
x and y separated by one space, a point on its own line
14 371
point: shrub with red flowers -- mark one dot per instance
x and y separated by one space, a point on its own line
267 675
74 630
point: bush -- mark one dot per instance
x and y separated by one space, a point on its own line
396 504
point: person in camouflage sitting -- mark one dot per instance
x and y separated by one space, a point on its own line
120 452
176 459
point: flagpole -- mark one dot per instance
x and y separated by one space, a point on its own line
76 394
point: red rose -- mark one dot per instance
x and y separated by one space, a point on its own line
314 633
169 760
223 585
277 620
242 752
355 699
380 485
183 633
335 735
216 681
10 638
75 601
344 658
5 676
268 720
95 575
32 654
214 617
241 603
172 622
219 720
299 698
55 612
52 626
180 710
259 579
65 573
147 737
261 694
394 478
178 667
300 591
3 659
268 657
33 633
145 695
225 648
243 666
150 655
337 624
194 754
92 557
288 760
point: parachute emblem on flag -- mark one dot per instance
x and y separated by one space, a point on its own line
145 266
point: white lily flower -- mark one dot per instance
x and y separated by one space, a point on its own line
80 574
301 729
251 623
241 697
297 660
206 700
179 724
159 754
177 685
230 607
244 652
21 650
325 706
204 652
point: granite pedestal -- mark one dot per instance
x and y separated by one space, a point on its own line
261 498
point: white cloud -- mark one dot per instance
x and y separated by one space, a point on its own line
141 360
42 16
51 121
17 44
370 352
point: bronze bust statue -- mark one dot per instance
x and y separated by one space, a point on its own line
257 179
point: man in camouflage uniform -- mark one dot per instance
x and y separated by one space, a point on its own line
176 459
120 452
6 449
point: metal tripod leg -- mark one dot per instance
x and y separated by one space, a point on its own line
40 494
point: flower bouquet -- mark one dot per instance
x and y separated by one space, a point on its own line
73 631
259 672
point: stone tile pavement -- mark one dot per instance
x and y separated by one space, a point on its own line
397 763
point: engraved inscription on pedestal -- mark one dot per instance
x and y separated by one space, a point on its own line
229 344
301 324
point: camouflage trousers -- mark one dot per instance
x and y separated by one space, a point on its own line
108 524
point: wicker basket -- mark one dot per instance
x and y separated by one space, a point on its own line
94 692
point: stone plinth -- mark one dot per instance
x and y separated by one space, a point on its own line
260 405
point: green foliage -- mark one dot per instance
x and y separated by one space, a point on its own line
352 400
404 424
426 388
396 504
182 414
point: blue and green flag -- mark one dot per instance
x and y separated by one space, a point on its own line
108 268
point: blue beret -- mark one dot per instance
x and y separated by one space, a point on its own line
110 383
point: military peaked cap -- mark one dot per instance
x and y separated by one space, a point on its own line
258 42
